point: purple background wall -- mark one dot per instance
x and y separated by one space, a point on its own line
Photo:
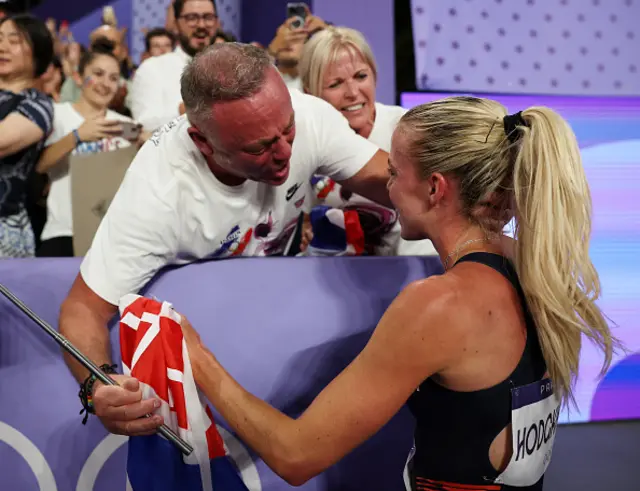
527 46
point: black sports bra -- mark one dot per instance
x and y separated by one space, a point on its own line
454 430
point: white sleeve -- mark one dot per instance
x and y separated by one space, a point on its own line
148 102
340 152
59 128
422 247
136 238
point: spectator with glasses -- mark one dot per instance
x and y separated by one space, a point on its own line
155 92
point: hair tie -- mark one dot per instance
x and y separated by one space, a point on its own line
511 123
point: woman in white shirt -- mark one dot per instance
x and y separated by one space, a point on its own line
83 127
337 65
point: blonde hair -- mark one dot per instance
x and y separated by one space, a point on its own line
540 174
324 48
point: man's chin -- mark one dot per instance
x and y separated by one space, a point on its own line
198 45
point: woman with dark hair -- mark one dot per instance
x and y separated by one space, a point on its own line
26 117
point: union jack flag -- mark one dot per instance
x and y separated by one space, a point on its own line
154 352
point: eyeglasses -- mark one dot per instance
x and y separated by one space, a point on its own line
193 19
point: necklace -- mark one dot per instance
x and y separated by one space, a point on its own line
460 247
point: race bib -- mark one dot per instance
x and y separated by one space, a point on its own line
534 418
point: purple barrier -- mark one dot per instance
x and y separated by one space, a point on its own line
284 327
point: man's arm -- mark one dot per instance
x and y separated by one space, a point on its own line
407 347
134 240
371 181
83 321
346 157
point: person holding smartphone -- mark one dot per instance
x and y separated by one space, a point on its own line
84 127
286 46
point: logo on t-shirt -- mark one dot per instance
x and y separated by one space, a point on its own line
292 191
234 244
155 138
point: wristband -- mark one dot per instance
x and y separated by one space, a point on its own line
77 137
86 392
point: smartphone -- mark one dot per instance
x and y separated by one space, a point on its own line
130 131
299 11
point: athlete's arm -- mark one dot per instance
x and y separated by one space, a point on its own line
371 181
407 347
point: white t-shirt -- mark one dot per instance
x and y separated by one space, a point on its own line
382 222
155 95
292 82
171 209
66 119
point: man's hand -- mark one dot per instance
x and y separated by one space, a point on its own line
371 181
307 233
285 36
122 410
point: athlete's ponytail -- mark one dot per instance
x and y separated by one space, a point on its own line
553 230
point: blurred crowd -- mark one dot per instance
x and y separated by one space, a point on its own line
60 99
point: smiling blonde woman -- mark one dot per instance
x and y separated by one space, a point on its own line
338 65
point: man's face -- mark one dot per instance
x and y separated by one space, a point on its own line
253 138
197 25
159 45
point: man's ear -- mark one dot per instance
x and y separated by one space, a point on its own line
200 141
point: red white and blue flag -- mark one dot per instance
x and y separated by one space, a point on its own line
336 232
154 352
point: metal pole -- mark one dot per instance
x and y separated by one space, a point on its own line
164 430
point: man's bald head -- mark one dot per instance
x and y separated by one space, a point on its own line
223 73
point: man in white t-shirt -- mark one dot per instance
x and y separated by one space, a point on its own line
230 180
154 98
